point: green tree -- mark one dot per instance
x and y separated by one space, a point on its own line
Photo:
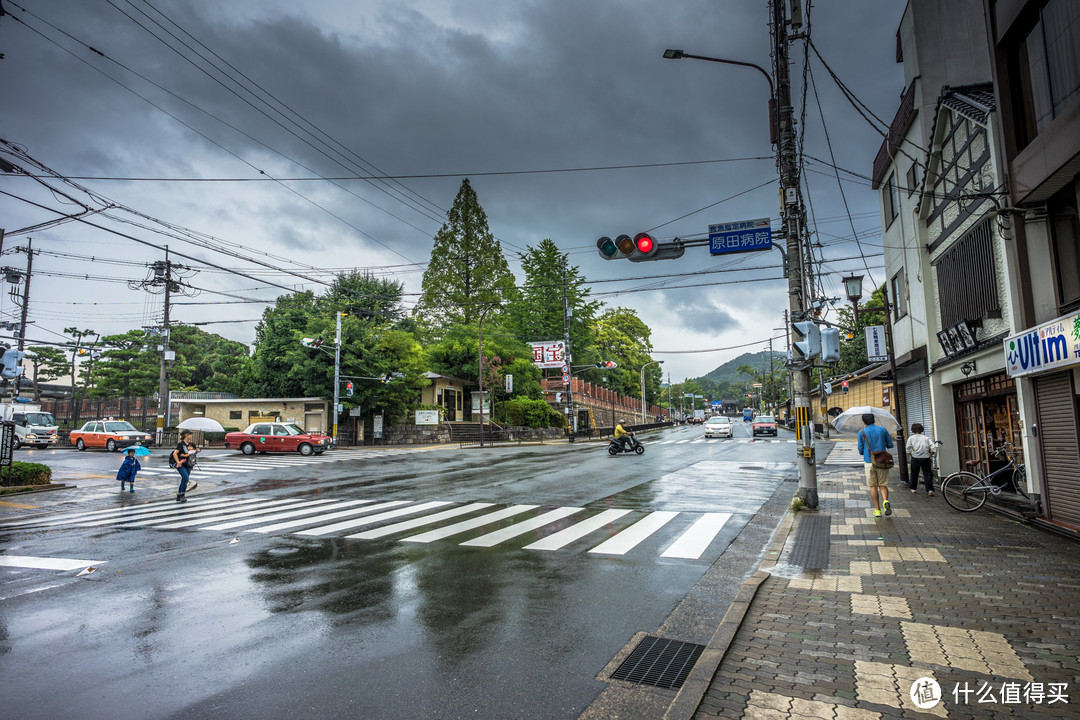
622 337
278 364
538 313
48 363
127 367
467 268
206 361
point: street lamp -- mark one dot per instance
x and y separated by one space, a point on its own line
654 362
670 54
853 288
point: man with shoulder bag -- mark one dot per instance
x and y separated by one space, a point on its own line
874 444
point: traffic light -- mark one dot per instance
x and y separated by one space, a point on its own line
348 388
843 386
311 342
615 249
830 345
607 365
807 343
644 247
640 248
9 364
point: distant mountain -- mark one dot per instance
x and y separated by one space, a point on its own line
729 371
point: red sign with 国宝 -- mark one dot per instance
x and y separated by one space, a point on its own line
549 354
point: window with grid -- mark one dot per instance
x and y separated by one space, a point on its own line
966 278
899 292
892 201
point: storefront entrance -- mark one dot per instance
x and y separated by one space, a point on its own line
987 416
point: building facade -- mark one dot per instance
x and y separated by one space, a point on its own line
1035 45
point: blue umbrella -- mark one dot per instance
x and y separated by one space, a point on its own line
139 450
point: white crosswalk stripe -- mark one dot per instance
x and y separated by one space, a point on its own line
631 537
388 515
494 538
623 530
466 525
694 541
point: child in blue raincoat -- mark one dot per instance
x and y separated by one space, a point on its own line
126 473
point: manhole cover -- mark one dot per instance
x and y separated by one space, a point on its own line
811 548
659 662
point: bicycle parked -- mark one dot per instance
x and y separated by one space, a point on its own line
967 491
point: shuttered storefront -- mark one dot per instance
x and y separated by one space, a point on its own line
1057 423
917 405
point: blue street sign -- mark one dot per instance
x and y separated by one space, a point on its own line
741 236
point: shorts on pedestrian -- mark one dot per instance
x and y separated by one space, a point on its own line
876 477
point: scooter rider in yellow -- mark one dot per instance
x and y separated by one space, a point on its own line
621 435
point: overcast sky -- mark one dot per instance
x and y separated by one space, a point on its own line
492 90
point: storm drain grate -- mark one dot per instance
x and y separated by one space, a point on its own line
659 662
811 548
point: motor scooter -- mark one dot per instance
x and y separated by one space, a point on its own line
633 445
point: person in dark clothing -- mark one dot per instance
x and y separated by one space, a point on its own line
183 458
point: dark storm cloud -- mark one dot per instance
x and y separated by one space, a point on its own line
452 87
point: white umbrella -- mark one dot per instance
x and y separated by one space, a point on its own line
851 419
201 423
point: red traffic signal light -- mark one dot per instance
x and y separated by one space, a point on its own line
644 246
607 364
348 389
844 385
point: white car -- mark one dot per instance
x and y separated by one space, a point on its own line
718 426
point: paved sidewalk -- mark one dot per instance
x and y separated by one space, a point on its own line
986 607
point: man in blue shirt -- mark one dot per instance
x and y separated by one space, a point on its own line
874 438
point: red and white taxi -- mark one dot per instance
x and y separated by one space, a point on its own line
764 425
109 434
277 437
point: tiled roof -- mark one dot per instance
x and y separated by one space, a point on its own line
972 101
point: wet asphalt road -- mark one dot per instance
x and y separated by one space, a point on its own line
191 622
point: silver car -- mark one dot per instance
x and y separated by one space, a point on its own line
718 426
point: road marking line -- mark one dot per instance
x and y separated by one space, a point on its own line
692 543
95 514
629 538
467 525
284 515
372 519
332 516
577 531
218 514
168 511
419 522
19 505
44 563
498 536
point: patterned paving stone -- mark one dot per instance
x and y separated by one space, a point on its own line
862 567
980 651
770 706
881 605
886 684
910 554
827 583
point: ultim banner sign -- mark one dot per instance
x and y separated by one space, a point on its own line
1050 346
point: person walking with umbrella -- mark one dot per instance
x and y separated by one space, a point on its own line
183 458
875 439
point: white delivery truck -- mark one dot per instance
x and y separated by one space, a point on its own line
32 426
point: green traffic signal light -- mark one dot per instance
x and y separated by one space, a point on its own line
607 248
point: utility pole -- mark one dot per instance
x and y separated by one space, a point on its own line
163 371
571 417
25 301
161 276
337 377
791 213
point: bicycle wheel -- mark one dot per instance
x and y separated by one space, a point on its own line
964 491
1020 481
